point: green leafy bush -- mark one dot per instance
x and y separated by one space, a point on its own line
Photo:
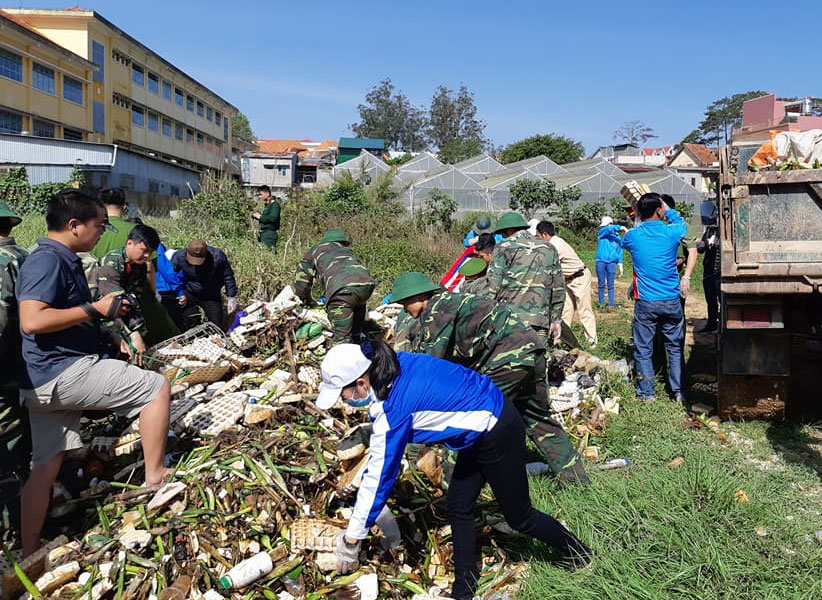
346 196
438 212
25 198
222 203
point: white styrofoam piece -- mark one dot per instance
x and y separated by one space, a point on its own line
214 416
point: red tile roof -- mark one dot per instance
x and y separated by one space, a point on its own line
702 153
298 146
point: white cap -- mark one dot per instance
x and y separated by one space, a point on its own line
343 364
606 221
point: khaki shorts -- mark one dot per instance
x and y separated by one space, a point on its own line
108 385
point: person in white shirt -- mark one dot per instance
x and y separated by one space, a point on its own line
577 282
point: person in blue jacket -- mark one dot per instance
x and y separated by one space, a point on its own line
653 246
483 224
415 398
608 258
171 286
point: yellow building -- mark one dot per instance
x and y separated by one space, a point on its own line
139 99
45 89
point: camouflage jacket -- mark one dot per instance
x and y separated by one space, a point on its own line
469 330
525 274
474 286
406 332
335 266
116 274
11 259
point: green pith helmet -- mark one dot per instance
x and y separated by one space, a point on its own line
511 220
7 213
335 235
483 224
410 284
473 266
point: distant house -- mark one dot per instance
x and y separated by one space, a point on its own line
284 164
767 113
694 164
350 148
630 157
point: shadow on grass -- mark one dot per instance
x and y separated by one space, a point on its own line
798 444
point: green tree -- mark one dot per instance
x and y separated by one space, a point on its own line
558 148
531 195
721 116
389 115
241 127
453 125
438 211
634 132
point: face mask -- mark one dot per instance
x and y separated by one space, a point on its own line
361 402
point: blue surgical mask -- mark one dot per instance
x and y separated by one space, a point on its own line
361 402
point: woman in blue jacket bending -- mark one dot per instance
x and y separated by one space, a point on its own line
608 258
425 400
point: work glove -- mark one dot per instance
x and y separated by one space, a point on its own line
555 331
684 287
390 530
619 265
231 304
348 555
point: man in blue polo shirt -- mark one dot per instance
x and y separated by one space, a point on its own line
653 246
65 373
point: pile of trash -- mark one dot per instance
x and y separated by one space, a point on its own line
263 482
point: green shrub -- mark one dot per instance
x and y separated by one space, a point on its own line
346 196
438 212
27 199
222 203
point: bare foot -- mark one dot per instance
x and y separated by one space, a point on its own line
160 477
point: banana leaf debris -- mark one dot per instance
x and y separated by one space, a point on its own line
259 468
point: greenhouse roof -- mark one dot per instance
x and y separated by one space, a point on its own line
598 163
507 176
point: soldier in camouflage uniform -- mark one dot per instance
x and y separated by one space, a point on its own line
525 274
487 337
347 285
15 438
474 270
126 270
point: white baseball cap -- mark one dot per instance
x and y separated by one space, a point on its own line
343 364
606 221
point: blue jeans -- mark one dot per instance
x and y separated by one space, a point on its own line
667 316
606 272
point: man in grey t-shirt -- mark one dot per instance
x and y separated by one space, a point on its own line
64 373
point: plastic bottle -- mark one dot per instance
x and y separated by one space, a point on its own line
246 572
616 463
177 590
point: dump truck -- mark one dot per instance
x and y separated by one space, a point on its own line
770 339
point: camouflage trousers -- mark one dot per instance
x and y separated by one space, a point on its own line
346 311
525 387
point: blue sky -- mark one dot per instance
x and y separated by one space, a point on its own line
299 69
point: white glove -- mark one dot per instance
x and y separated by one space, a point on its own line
620 269
555 330
684 287
348 555
231 304
390 530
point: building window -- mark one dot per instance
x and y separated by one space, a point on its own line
42 129
98 117
153 83
72 134
190 136
283 170
10 122
127 182
138 116
72 90
138 75
120 101
166 128
167 90
209 113
178 96
153 187
693 181
190 103
174 190
42 78
11 65
200 139
200 108
121 58
153 121
225 129
98 53
178 131
217 118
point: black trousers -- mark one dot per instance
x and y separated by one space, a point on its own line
499 460
213 310
174 310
